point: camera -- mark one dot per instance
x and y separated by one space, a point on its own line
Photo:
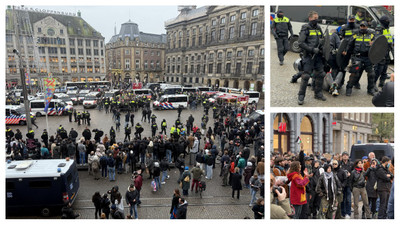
279 188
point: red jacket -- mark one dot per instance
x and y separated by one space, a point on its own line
297 188
138 182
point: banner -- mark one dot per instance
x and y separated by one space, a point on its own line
27 79
137 85
49 87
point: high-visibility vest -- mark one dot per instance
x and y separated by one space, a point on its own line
164 124
388 35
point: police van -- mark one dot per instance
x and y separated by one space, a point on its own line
15 114
56 107
171 102
329 15
380 150
41 185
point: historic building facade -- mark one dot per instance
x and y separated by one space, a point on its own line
319 132
134 55
220 46
60 44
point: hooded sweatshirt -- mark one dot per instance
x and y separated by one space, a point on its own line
297 188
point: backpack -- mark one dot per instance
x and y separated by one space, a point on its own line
187 179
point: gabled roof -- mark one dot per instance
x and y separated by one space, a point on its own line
73 23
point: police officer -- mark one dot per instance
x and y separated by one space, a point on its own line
381 67
112 133
359 16
154 128
45 138
164 126
346 33
139 129
153 118
127 133
280 28
33 121
70 114
132 119
309 41
9 133
360 44
30 134
79 117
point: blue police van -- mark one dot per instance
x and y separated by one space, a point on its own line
43 186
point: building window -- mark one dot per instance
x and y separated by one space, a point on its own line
191 68
197 80
213 35
229 55
63 51
198 68
223 20
95 43
137 64
152 64
145 52
137 52
262 52
221 34
127 52
173 69
39 30
95 52
178 69
61 31
255 12
87 43
145 65
253 29
200 40
211 56
71 42
243 15
193 41
127 64
219 55
261 67
250 53
281 142
88 52
242 29
232 18
228 68
80 51
219 68
210 68
239 53
231 32
72 51
306 135
238 68
249 67
214 22
80 42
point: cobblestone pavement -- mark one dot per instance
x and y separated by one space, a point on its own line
215 204
284 93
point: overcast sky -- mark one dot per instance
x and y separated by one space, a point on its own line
104 18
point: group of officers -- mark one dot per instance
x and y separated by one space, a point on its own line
326 71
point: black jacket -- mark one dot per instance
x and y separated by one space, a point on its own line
309 38
357 180
371 175
236 181
181 211
384 182
131 197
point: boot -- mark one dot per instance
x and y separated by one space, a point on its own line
294 79
320 96
300 100
348 91
381 82
371 92
357 86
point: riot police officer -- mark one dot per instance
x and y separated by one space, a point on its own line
154 128
309 41
381 67
164 126
360 44
280 28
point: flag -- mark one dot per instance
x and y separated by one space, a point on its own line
49 87
298 140
27 79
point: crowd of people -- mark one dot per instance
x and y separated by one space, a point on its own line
314 186
236 143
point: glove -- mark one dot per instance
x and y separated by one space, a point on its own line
276 37
315 50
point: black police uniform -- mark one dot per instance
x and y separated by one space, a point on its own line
360 44
381 67
280 28
309 41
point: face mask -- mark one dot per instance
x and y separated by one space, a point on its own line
351 24
363 31
313 23
385 23
280 15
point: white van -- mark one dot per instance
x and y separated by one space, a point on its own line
56 107
254 96
171 102
332 15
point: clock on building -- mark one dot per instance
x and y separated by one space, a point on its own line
50 32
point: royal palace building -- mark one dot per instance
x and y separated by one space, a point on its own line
220 46
134 56
52 43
